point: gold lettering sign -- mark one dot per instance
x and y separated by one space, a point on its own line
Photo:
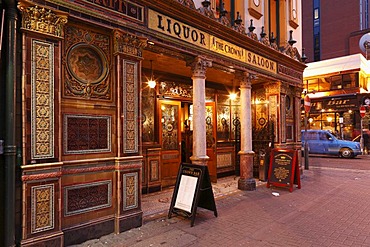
184 32
225 48
176 29
261 62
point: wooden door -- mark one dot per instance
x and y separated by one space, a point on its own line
211 140
170 139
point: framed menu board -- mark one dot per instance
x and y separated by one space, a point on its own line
283 169
193 189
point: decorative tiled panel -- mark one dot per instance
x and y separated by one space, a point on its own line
42 208
130 107
84 198
87 70
154 170
130 191
224 160
86 134
42 100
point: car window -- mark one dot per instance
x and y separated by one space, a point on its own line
324 136
310 135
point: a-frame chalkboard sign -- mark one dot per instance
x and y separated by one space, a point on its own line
283 169
193 189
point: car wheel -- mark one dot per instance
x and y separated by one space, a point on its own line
346 153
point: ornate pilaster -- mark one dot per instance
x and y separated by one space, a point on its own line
246 180
42 20
199 66
128 44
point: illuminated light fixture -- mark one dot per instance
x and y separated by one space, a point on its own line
151 82
232 96
310 120
329 119
150 42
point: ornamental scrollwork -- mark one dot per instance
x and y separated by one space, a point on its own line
42 20
129 44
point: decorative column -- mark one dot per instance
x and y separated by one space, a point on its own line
246 180
199 66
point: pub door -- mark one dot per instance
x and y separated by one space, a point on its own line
170 139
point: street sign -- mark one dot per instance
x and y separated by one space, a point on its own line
362 111
307 103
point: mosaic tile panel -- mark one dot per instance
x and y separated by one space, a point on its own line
130 105
130 191
42 208
42 100
224 160
154 170
89 197
86 134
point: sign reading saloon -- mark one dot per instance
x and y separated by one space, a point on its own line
184 32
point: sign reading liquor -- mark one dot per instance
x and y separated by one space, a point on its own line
184 32
176 29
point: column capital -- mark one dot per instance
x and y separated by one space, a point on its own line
199 66
245 78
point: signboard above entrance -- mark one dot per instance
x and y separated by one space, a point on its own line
189 34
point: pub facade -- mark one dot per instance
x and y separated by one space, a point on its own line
111 96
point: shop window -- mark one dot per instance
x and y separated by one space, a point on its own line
349 80
336 82
324 84
313 85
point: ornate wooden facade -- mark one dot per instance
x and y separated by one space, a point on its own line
94 135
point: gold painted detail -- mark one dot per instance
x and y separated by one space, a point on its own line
42 100
42 20
42 208
130 106
281 173
129 44
130 191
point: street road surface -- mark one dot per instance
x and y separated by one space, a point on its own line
331 209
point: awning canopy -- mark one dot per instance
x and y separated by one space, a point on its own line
337 65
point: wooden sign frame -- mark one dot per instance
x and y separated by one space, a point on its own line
193 189
283 169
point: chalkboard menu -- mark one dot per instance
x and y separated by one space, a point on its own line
283 169
193 189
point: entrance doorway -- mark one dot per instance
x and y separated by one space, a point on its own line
170 140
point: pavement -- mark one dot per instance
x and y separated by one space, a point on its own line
331 209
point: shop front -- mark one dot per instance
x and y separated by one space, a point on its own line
96 133
338 88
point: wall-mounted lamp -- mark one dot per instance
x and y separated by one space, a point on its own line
232 96
151 82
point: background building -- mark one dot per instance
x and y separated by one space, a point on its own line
333 28
337 77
